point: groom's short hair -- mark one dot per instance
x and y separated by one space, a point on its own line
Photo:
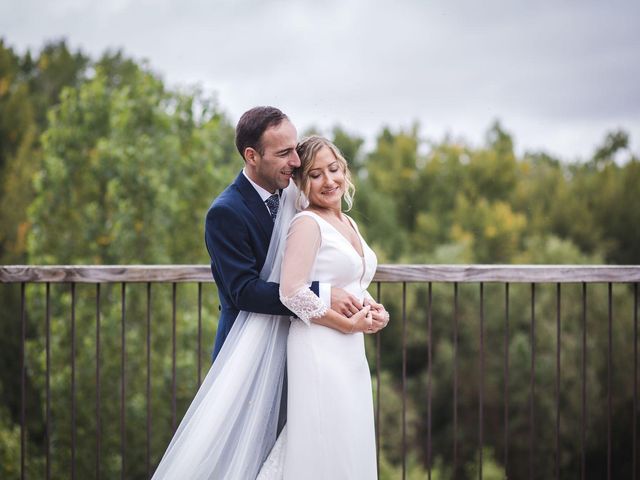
253 123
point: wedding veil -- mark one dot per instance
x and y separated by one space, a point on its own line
232 423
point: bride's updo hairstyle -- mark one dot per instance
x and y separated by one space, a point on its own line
307 150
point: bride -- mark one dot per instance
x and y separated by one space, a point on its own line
229 430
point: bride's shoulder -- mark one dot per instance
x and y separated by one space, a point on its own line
306 213
304 227
308 218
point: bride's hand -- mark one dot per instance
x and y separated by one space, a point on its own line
379 314
361 321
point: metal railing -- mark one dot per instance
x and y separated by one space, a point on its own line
449 282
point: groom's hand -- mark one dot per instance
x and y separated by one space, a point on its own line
344 303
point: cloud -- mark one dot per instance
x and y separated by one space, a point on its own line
545 68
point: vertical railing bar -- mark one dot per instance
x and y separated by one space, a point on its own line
635 380
558 372
506 380
48 379
378 335
455 378
429 373
148 393
532 384
609 367
481 384
23 381
123 392
98 419
73 381
404 380
583 434
199 333
173 358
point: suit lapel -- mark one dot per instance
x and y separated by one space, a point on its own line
255 204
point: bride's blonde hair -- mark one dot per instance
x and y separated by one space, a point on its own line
307 150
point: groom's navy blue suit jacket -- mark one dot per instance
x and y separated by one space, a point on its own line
237 233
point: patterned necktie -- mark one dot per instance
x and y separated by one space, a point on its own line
273 203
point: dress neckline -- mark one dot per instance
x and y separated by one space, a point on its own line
341 235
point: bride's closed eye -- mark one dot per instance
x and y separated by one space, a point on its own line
317 175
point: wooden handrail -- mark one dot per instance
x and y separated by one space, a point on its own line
385 273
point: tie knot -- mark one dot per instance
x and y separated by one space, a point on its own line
273 203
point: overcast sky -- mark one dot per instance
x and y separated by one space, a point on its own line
557 74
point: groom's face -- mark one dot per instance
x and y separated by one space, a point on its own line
274 166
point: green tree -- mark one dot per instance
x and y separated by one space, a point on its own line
392 171
128 171
28 87
350 146
123 167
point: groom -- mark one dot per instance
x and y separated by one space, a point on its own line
239 224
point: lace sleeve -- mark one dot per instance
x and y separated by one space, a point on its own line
301 250
305 304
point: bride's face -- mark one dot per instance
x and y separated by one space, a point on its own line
326 181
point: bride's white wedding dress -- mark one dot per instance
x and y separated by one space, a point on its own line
330 427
